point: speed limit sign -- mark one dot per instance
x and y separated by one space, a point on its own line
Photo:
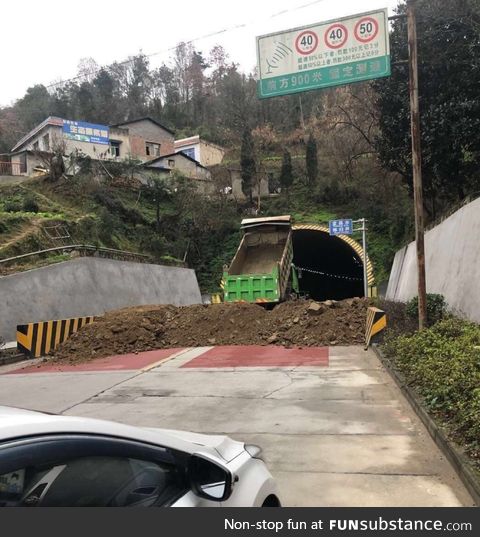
325 54
306 42
336 35
366 29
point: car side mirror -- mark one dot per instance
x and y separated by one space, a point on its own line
209 479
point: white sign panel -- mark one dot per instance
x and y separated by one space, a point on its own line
326 54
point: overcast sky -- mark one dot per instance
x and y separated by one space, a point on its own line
43 41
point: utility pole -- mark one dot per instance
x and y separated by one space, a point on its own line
416 163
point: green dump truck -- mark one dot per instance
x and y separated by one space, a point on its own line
261 270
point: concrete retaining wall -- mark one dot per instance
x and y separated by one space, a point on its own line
90 286
452 251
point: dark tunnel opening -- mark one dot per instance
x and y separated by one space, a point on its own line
342 267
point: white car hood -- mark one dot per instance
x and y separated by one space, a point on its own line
227 448
18 423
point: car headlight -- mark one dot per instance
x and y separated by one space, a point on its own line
254 451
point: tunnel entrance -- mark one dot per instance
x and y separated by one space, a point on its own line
328 267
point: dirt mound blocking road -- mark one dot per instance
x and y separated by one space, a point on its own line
298 323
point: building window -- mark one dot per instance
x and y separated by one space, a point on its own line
152 149
46 142
171 163
115 148
36 146
190 152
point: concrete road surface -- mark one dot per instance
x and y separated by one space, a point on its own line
335 429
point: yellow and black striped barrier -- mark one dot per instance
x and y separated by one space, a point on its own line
216 298
38 339
376 322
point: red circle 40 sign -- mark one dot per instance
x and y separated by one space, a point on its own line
366 29
306 42
336 35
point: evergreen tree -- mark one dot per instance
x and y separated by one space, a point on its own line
449 78
311 160
286 173
247 164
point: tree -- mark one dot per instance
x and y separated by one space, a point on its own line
139 85
247 164
158 190
87 68
34 106
311 160
286 173
10 128
449 78
53 159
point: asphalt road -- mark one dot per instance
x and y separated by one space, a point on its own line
335 429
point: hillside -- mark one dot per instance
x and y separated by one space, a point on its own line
121 213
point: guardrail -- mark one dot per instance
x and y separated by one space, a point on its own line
85 249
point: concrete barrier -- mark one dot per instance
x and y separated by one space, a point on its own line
38 339
90 286
452 254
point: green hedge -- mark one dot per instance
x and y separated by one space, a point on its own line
442 363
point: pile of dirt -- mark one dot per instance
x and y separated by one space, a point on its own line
299 323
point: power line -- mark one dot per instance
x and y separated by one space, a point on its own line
189 42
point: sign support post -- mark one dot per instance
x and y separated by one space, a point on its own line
363 229
364 245
416 163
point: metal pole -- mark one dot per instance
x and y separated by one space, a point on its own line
416 163
364 244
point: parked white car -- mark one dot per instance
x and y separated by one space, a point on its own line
50 460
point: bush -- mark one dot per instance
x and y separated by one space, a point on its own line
11 206
30 205
442 363
436 308
398 320
118 209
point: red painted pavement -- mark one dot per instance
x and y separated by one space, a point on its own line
260 356
111 363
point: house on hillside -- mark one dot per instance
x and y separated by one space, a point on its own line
143 139
207 153
183 165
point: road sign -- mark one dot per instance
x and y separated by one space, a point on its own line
325 54
340 227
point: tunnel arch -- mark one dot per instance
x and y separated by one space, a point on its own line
328 267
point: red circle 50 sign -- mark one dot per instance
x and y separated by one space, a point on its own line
366 29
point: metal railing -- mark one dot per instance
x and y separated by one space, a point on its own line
86 250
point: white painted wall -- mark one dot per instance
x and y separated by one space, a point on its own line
452 256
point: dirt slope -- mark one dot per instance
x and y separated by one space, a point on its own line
296 323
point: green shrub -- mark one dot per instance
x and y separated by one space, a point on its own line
442 363
30 205
398 321
436 308
12 206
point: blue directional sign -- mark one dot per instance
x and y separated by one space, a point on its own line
341 227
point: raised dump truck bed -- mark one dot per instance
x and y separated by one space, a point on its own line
261 268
